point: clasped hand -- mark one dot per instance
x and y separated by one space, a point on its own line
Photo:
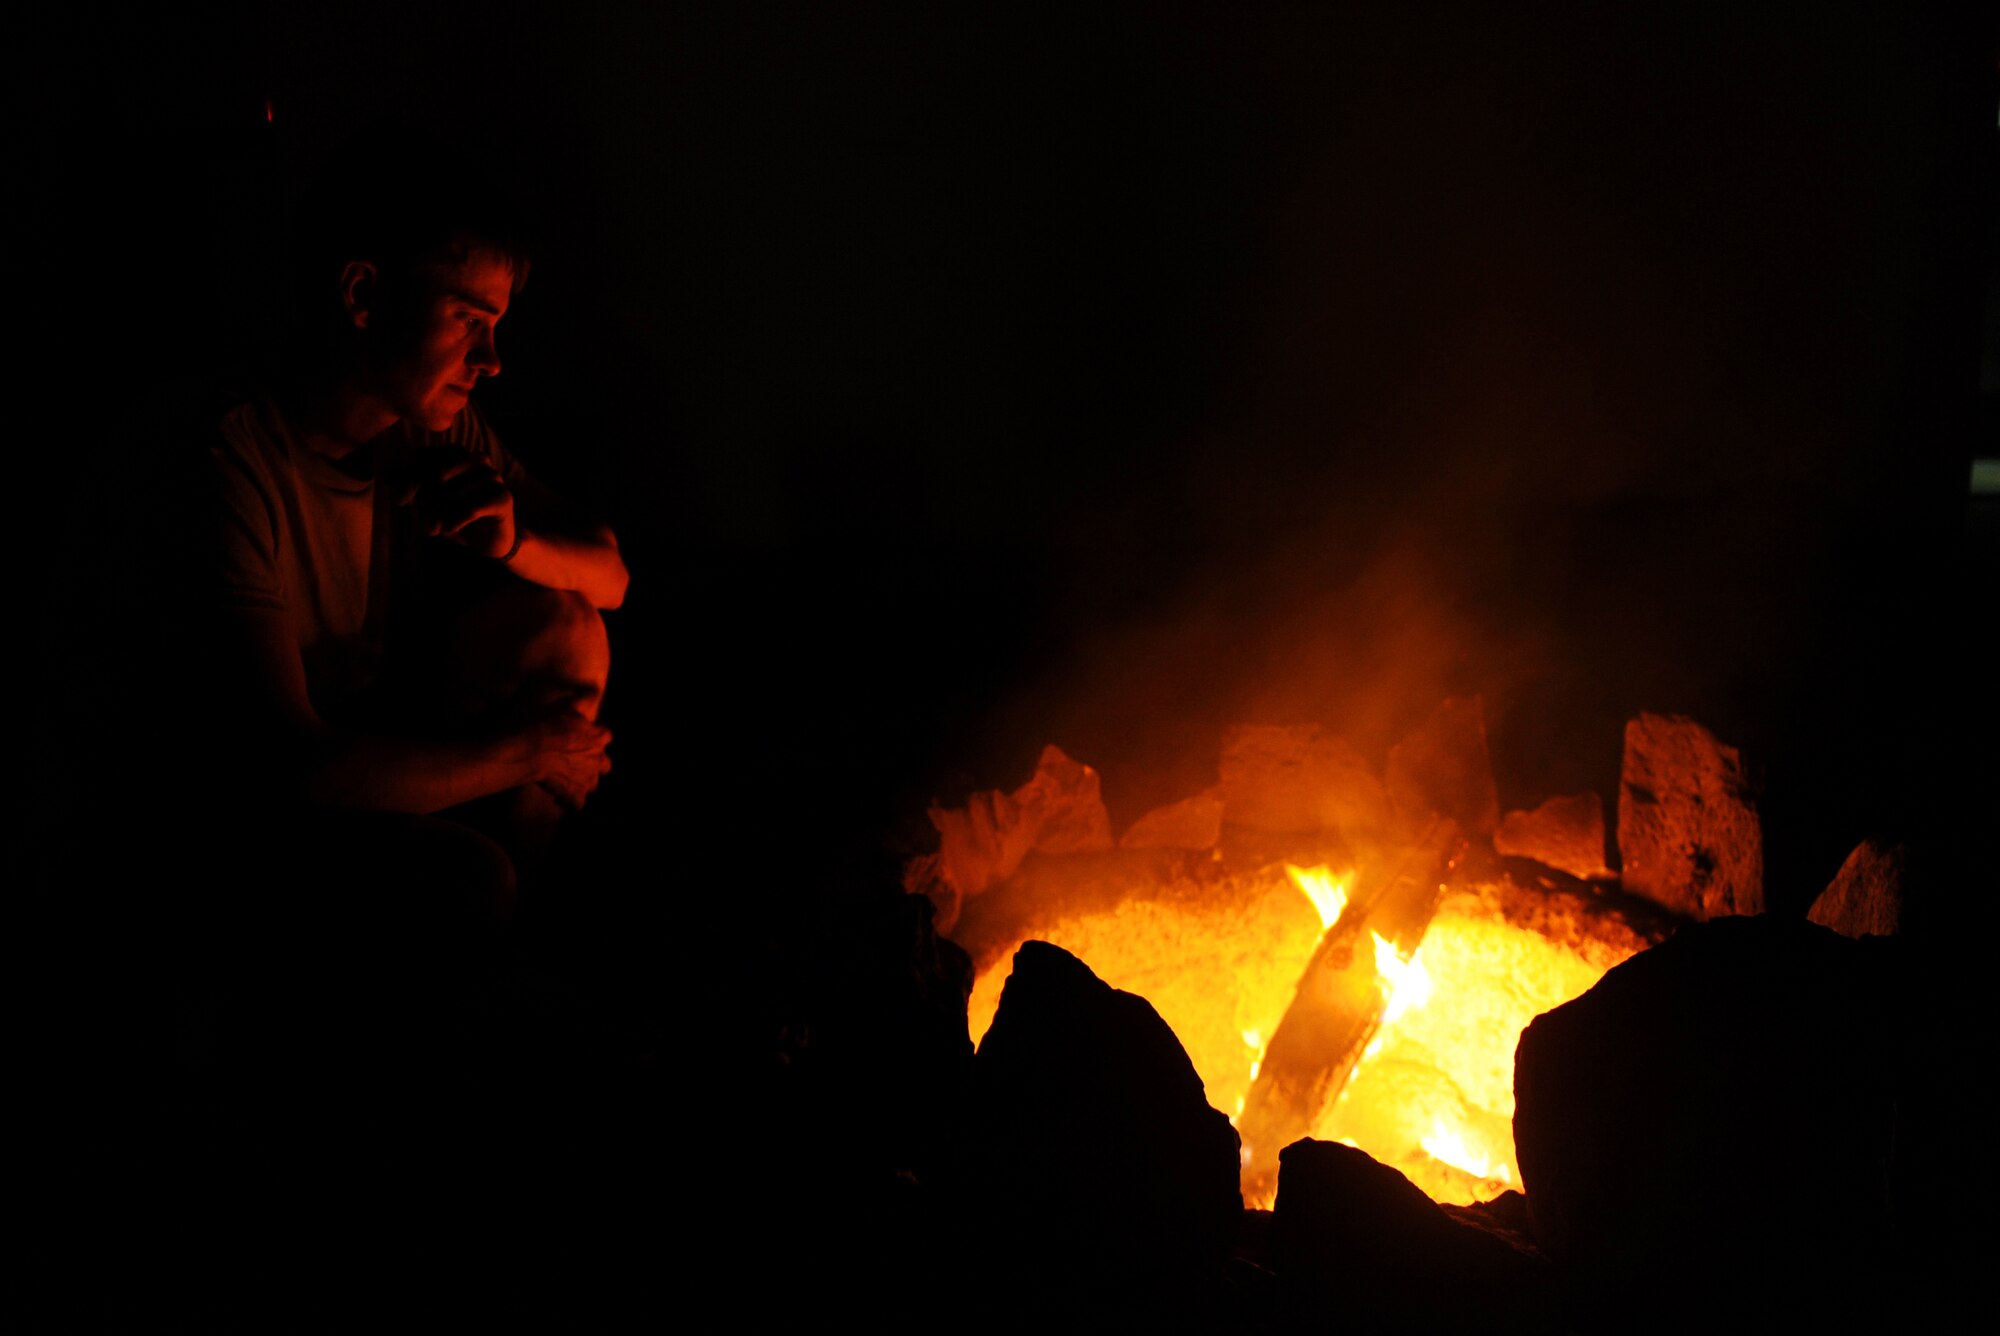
457 496
569 755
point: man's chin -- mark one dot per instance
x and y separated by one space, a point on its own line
441 418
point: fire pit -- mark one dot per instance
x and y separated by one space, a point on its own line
1344 956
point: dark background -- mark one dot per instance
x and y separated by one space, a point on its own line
962 379
960 382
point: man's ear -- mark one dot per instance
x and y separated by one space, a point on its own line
360 286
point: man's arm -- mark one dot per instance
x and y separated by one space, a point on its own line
460 497
555 746
563 550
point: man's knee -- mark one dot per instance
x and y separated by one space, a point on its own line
570 628
529 640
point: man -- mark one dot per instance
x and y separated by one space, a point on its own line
411 651
325 483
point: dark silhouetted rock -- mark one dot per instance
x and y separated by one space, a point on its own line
1865 897
1298 779
1356 1244
1688 833
1093 1171
1716 1117
1443 769
1566 834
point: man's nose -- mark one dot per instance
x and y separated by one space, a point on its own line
485 357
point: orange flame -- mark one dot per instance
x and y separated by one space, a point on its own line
1447 1145
1327 892
1406 982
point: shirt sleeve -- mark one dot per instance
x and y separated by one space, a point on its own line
244 570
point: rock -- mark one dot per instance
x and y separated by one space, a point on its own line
1060 810
1092 1168
1566 834
1354 1238
1688 834
1296 779
1716 1118
1866 896
1191 823
1443 769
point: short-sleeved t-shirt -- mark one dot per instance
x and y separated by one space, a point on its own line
303 538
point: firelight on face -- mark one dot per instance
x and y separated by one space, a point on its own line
453 341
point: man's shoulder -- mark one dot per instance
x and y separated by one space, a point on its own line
252 431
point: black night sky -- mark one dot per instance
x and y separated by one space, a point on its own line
961 379
960 382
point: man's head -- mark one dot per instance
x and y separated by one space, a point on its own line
425 334
421 261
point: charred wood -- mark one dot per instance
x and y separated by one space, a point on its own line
1339 1002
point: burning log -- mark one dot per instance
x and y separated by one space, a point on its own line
1338 1005
1566 834
1438 777
1688 833
1865 897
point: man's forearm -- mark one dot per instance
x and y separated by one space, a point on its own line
586 561
393 774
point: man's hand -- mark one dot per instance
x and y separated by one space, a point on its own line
568 754
462 498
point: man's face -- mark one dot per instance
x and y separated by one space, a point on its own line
444 342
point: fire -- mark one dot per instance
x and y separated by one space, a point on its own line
1327 892
1405 983
1219 961
1373 998
1446 1145
1433 1096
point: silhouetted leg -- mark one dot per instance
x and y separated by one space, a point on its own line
364 942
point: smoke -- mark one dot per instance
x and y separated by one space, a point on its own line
1557 378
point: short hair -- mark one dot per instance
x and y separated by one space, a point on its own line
400 198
